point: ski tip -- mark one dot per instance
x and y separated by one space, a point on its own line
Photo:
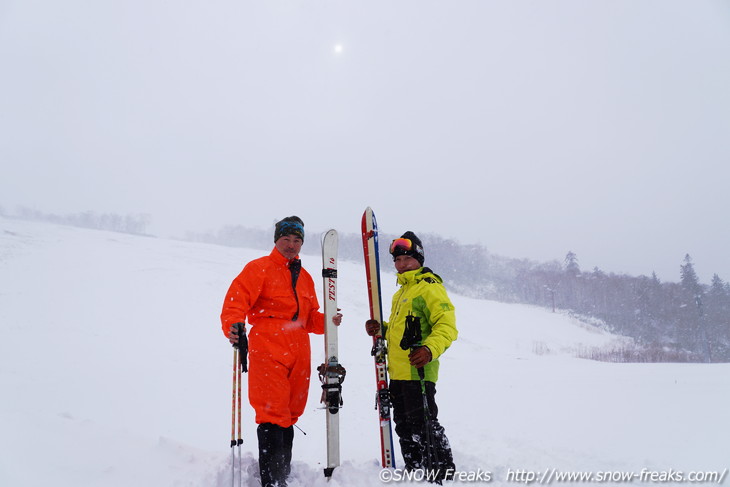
328 234
369 214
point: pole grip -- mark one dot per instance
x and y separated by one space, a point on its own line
242 345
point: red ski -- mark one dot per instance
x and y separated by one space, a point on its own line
372 270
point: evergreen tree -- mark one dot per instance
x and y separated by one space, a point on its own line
688 277
691 331
718 319
571 264
570 290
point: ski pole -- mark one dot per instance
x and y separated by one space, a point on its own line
239 441
240 351
235 394
432 459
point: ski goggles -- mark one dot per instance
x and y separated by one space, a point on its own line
402 244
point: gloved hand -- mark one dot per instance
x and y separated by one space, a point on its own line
372 327
233 332
420 356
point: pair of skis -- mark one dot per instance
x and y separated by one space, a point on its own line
331 373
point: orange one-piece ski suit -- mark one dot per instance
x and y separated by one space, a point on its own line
280 318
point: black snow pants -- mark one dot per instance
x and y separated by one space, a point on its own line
412 428
275 451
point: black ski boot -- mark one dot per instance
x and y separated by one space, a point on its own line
272 455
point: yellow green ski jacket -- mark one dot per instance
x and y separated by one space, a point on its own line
423 295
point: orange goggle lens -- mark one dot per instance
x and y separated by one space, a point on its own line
404 244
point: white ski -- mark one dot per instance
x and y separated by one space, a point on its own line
331 373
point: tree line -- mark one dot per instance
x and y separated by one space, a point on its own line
681 321
134 224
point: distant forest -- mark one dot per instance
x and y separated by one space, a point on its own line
669 321
134 224
684 321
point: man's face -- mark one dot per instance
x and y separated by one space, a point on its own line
289 246
404 263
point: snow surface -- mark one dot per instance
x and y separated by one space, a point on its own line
114 372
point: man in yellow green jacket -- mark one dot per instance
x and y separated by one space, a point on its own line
422 305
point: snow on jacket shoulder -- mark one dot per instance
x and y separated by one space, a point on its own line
262 293
423 295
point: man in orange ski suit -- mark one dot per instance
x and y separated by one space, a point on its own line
277 296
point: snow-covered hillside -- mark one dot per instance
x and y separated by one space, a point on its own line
114 372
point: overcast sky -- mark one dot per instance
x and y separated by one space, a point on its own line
531 127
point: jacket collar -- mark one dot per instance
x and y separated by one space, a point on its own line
408 276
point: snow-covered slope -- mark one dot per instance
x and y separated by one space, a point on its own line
114 372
